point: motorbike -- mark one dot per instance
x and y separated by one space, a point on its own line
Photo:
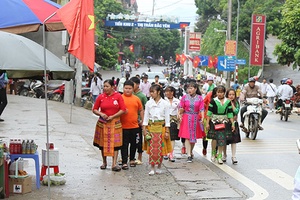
57 94
37 89
23 88
252 117
286 109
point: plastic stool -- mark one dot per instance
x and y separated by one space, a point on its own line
44 168
35 157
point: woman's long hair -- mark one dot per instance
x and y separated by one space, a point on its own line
159 90
227 94
194 85
171 89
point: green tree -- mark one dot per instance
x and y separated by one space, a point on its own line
107 51
157 42
288 51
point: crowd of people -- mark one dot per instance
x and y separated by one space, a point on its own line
136 115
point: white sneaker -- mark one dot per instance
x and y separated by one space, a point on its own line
151 173
158 171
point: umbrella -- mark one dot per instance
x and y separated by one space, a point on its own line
24 58
149 57
22 16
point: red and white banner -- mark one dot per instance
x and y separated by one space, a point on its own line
257 43
195 41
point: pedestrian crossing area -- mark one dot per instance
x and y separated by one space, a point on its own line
267 146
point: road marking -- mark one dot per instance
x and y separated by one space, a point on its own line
279 177
269 146
259 192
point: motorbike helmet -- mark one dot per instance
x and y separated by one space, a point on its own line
289 82
252 79
283 81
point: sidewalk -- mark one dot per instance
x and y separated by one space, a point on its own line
25 118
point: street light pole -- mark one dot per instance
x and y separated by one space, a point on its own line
228 37
153 7
237 35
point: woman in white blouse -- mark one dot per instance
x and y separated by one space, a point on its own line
156 126
174 106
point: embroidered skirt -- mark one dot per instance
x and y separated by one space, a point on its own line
220 135
157 146
174 128
108 136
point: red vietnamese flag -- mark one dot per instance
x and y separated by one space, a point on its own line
182 59
196 61
215 61
78 18
177 57
210 62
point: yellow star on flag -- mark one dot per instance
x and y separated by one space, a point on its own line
92 18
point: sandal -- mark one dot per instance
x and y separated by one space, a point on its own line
116 168
125 167
132 164
103 166
138 162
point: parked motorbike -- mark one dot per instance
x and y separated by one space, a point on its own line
23 88
37 89
57 94
286 109
252 117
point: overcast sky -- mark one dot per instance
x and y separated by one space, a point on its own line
184 9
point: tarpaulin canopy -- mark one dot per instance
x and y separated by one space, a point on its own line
24 58
22 16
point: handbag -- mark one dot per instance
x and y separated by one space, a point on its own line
219 126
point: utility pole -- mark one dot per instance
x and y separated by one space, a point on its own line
153 7
229 36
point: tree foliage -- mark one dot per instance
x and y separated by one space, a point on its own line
157 42
288 51
107 51
210 10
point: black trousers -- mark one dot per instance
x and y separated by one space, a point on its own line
139 141
244 109
129 137
3 99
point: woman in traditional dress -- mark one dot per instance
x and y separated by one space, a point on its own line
174 103
191 113
236 137
156 128
108 133
219 116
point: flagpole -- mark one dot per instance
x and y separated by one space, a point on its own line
46 101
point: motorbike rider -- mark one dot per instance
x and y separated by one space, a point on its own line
285 91
250 91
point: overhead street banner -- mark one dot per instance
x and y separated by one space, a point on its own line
257 43
134 24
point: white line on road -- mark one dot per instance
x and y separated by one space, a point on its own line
259 192
279 177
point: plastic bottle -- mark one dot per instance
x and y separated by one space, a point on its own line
27 151
11 146
32 147
23 147
19 146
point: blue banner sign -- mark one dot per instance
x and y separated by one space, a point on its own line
226 63
240 61
147 24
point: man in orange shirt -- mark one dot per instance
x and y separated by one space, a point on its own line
130 123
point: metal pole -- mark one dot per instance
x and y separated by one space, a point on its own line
229 36
46 101
153 7
237 36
